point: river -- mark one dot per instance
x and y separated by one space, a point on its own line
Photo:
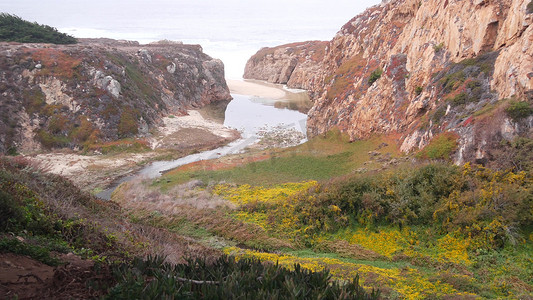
253 116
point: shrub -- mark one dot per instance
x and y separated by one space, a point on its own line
439 113
15 29
451 81
419 90
9 210
516 155
440 147
376 74
438 47
33 101
49 140
59 124
41 254
228 278
127 125
21 209
83 131
518 110
459 99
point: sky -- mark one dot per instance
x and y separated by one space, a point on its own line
231 30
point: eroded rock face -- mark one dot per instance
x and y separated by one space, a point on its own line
289 64
443 63
100 89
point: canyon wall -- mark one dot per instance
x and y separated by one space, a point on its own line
420 68
99 90
291 64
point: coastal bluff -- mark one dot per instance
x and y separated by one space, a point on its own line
418 70
57 96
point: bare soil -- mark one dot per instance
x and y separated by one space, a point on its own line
22 277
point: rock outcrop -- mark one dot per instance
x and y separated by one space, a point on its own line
287 64
420 68
68 96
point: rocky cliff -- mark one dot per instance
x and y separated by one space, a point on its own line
289 64
421 68
99 90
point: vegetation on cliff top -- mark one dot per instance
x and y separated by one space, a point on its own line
15 29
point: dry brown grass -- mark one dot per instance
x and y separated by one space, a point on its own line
102 226
198 207
137 194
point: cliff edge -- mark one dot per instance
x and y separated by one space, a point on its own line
99 90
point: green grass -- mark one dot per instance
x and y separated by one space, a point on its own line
441 147
319 159
384 264
518 110
274 170
42 254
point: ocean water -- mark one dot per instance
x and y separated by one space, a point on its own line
231 30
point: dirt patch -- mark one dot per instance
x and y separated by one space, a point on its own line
22 277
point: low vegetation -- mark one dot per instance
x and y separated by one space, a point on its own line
438 47
15 29
44 216
421 232
319 159
441 146
518 110
375 75
228 278
360 222
416 230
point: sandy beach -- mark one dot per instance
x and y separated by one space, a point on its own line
257 89
261 89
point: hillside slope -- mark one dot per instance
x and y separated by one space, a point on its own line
421 68
99 90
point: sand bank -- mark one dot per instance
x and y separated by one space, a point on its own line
256 89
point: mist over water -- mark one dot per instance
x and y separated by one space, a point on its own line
230 30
